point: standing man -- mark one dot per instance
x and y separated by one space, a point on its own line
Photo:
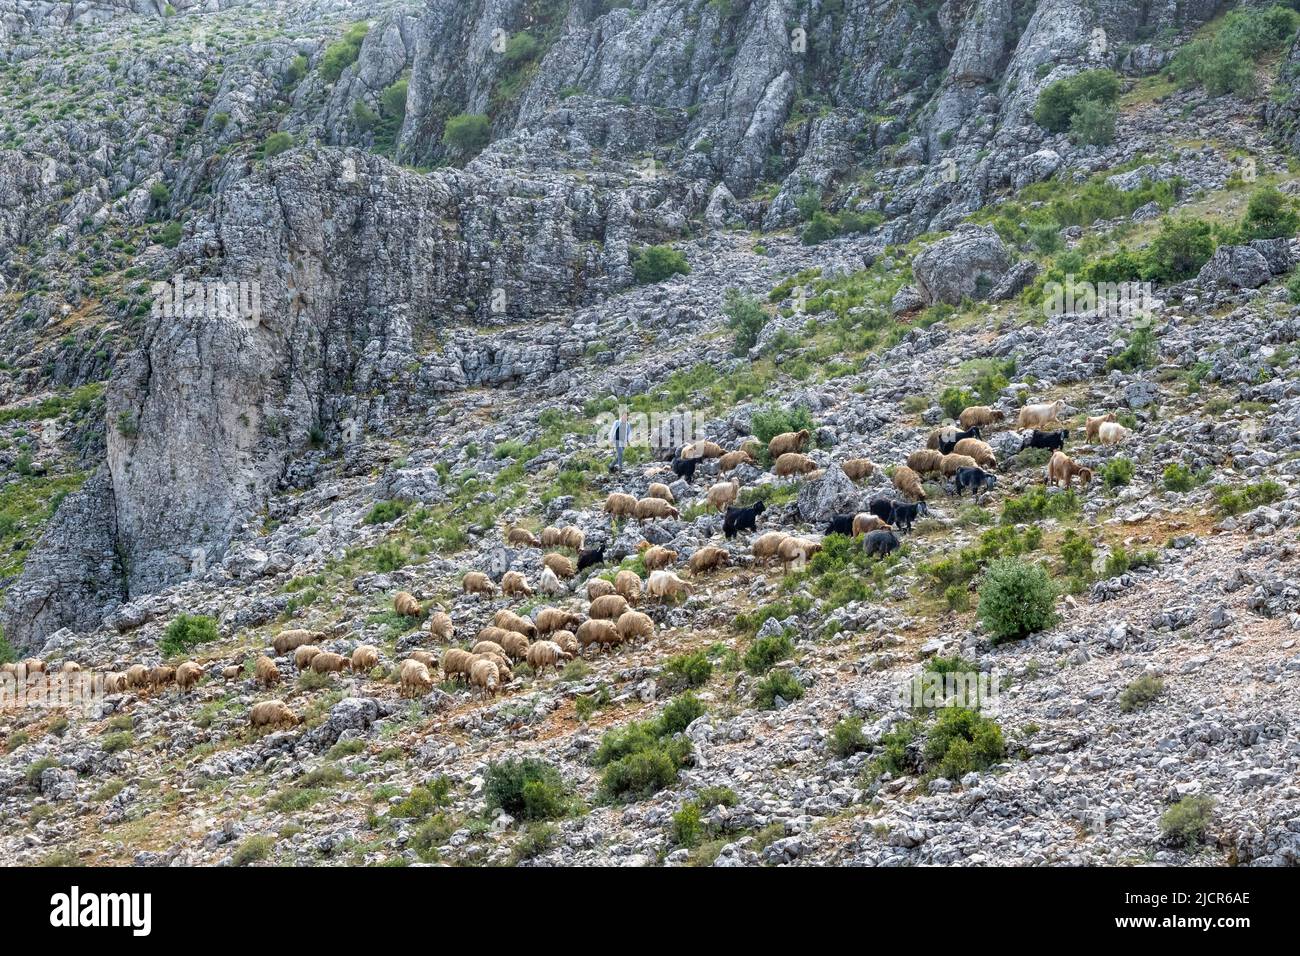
618 435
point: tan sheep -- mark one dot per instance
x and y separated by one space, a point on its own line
505 673
490 632
572 537
161 676
635 626
294 638
70 667
953 461
365 659
114 682
599 587
793 463
230 671
608 607
327 662
476 582
488 647
266 673
440 626
548 583
567 640
137 675
302 657
936 438
484 675
864 523
425 658
981 451
456 663
858 468
708 558
628 584
621 505
271 713
981 415
734 459
34 665
1112 433
544 654
1061 468
1040 416
703 449
796 551
767 544
664 585
552 619
515 646
406 605
652 508
560 566
513 622
514 583
925 461
551 537
521 537
187 675
414 678
658 557
658 489
723 494
788 442
1093 426
909 483
597 632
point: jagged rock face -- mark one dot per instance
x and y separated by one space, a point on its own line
968 264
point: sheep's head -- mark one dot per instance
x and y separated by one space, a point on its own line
1085 475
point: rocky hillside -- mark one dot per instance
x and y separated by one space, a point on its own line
433 249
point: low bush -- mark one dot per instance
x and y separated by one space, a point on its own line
1016 599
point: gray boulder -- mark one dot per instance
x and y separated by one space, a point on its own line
831 494
968 264
1235 267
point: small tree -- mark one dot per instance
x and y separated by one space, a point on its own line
1016 599
275 144
745 317
467 133
187 631
1093 123
1185 823
1269 215
656 263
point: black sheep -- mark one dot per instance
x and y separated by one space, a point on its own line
840 524
904 514
882 543
882 508
741 519
946 447
685 467
976 479
1053 440
591 557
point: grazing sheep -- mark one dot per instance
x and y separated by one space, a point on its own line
793 463
865 523
663 585
723 494
302 657
515 646
492 632
327 662
425 658
658 557
648 508
598 587
1112 433
137 675
897 513
567 640
980 451
266 673
70 667
1061 468
908 482
787 442
951 463
271 713
858 468
548 583
601 632
733 460
1093 426
487 647
229 672
440 626
839 524
187 675
544 654
1037 416
981 416
365 658
34 665
925 461
560 566
115 681
628 585
513 582
476 582
685 468
292 639
976 479
572 537
517 537
797 551
882 543
622 505
702 449
552 619
456 663
590 558
551 537
767 545
708 558
414 678
161 676
634 626
406 605
1053 440
742 519
657 489
608 607
484 675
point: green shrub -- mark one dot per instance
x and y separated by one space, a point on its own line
1269 215
1178 477
187 631
253 848
1076 553
521 48
526 788
1185 823
1234 501
1178 251
34 770
770 422
690 670
1093 122
745 317
778 683
1117 472
643 757
385 511
656 263
1119 561
1140 693
1016 599
467 133
275 144
764 652
1140 352
116 743
1037 503
1225 62
846 738
1062 100
954 400
688 829
962 741
393 100
341 54
159 193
